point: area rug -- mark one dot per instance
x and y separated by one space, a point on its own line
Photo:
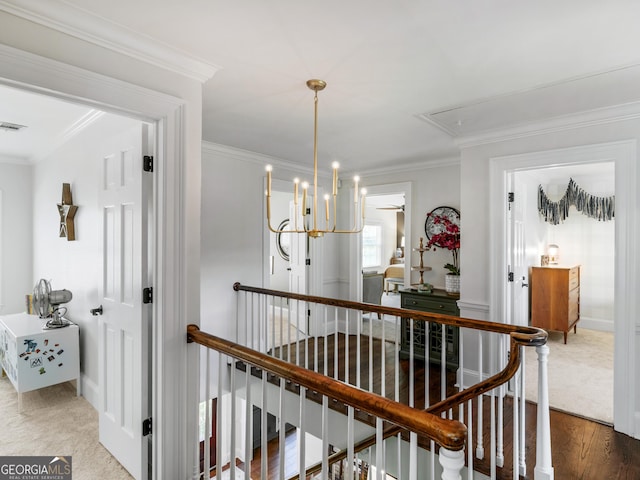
580 374
54 421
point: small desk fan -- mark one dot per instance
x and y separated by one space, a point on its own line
46 303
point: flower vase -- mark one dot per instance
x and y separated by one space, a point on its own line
452 284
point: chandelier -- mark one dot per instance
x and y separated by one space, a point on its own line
310 215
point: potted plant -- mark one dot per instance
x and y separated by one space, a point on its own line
448 238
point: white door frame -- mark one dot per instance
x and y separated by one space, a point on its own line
355 246
627 271
173 382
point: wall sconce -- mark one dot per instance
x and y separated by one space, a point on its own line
554 254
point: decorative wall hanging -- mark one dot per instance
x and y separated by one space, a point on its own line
600 208
67 212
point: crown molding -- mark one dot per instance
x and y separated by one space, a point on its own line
600 116
60 16
404 167
251 157
261 159
74 130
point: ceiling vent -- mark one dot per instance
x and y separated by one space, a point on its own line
11 127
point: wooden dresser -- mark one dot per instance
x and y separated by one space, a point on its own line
436 301
555 298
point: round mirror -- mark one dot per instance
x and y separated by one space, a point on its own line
283 239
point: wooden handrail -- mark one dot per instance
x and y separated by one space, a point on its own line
519 336
525 335
451 434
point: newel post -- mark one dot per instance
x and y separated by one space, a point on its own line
544 467
452 463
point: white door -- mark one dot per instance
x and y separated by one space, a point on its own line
298 269
518 310
124 325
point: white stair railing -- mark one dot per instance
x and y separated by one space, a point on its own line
359 344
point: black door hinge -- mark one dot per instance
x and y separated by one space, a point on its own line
307 261
510 198
147 163
510 277
147 295
146 427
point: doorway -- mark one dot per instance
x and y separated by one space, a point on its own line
580 372
391 201
623 155
74 265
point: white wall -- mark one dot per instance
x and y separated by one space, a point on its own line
235 240
431 186
137 84
16 230
477 210
586 242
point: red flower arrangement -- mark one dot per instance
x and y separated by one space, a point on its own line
449 238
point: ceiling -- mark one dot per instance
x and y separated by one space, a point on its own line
407 80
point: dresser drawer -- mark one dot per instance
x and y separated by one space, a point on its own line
574 278
434 305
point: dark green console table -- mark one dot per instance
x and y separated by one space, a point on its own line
435 302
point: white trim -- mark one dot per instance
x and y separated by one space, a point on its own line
412 167
76 129
90 391
173 450
599 116
624 154
255 158
595 324
86 26
474 310
355 245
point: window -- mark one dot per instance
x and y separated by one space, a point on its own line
371 246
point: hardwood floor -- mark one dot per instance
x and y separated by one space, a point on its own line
581 449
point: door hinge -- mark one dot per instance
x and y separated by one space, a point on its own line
147 295
510 276
307 261
510 198
147 163
146 427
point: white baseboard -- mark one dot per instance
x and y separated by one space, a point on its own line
470 377
90 391
636 433
595 324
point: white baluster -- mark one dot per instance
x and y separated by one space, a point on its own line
207 417
523 461
219 461
452 463
516 425
263 429
480 440
544 467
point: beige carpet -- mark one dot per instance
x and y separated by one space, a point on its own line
580 374
55 422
